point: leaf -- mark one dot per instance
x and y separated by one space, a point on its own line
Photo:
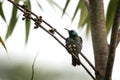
66 5
27 21
88 26
39 5
83 15
76 10
3 44
110 14
52 3
1 12
12 22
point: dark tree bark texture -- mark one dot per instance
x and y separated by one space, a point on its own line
99 37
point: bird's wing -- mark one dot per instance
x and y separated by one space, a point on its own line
81 39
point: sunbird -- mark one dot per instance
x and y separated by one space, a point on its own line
74 46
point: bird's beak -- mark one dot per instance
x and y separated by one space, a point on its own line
66 29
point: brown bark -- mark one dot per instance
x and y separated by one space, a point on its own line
98 30
113 43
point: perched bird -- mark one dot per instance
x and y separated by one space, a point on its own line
74 46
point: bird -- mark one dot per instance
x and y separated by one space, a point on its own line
74 46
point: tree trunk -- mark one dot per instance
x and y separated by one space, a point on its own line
99 39
114 42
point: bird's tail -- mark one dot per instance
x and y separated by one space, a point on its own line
75 61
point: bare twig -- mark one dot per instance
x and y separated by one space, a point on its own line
38 21
56 39
32 77
88 71
96 71
55 30
22 9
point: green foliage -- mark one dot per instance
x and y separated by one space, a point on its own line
76 10
84 15
53 3
66 5
39 5
110 14
22 71
27 21
88 25
1 11
84 18
13 21
2 42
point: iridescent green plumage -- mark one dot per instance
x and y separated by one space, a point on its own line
74 46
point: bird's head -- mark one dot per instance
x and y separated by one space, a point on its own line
72 33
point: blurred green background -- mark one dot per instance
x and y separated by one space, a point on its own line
11 70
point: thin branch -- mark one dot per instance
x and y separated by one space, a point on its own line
55 30
71 54
16 4
56 39
32 77
88 71
38 21
114 37
96 71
